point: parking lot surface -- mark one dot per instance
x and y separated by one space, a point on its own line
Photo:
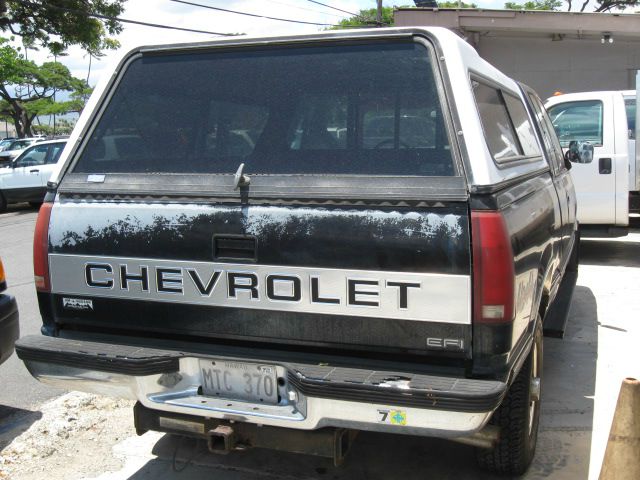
81 436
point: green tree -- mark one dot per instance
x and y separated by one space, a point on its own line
534 5
367 17
599 5
57 24
28 90
456 5
63 127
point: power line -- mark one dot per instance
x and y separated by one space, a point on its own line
124 20
335 8
306 9
251 14
357 15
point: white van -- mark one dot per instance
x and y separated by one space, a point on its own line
606 176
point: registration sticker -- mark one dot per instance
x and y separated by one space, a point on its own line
393 417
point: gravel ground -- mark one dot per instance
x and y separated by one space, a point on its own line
75 430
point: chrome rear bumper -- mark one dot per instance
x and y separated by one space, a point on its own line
307 401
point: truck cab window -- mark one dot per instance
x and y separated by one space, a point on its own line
630 107
580 121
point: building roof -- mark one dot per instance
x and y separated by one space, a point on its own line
533 23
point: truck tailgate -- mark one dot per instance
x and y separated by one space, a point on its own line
378 279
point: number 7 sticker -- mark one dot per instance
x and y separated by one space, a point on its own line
393 417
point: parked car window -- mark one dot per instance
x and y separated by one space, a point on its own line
360 109
580 121
552 145
34 156
54 153
20 144
4 144
630 107
498 129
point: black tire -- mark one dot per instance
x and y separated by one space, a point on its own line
518 417
3 203
35 204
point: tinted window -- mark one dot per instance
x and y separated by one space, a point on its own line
55 152
523 126
580 121
554 150
366 109
499 133
630 106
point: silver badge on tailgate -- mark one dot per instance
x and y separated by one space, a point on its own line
77 304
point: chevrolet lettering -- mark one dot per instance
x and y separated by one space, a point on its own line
360 293
278 242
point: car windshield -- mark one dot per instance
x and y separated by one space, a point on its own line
342 109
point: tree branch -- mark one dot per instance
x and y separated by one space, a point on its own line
584 5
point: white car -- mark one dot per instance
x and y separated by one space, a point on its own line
25 179
15 148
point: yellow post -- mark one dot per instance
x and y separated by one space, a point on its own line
622 457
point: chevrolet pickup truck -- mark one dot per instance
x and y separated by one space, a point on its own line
607 180
278 242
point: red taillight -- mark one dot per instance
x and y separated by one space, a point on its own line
41 249
493 270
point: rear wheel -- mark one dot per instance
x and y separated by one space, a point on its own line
518 418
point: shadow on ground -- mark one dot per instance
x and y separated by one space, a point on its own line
20 209
563 446
610 253
13 422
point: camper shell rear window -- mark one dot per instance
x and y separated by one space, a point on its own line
338 109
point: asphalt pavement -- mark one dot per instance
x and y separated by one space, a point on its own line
18 389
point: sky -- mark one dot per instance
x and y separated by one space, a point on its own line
172 13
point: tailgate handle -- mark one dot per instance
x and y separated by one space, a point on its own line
605 166
235 247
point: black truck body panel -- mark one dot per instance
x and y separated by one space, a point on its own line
426 240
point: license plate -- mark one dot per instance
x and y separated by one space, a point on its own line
253 382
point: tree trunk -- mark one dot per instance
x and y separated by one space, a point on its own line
27 121
17 124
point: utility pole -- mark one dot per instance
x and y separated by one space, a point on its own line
379 15
55 60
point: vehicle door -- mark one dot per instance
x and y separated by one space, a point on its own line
561 178
25 182
591 120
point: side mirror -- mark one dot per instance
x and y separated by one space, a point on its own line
567 162
579 152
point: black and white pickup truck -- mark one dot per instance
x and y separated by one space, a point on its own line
278 242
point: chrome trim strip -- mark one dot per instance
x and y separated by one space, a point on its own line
428 297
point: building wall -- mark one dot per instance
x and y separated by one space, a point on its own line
568 65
